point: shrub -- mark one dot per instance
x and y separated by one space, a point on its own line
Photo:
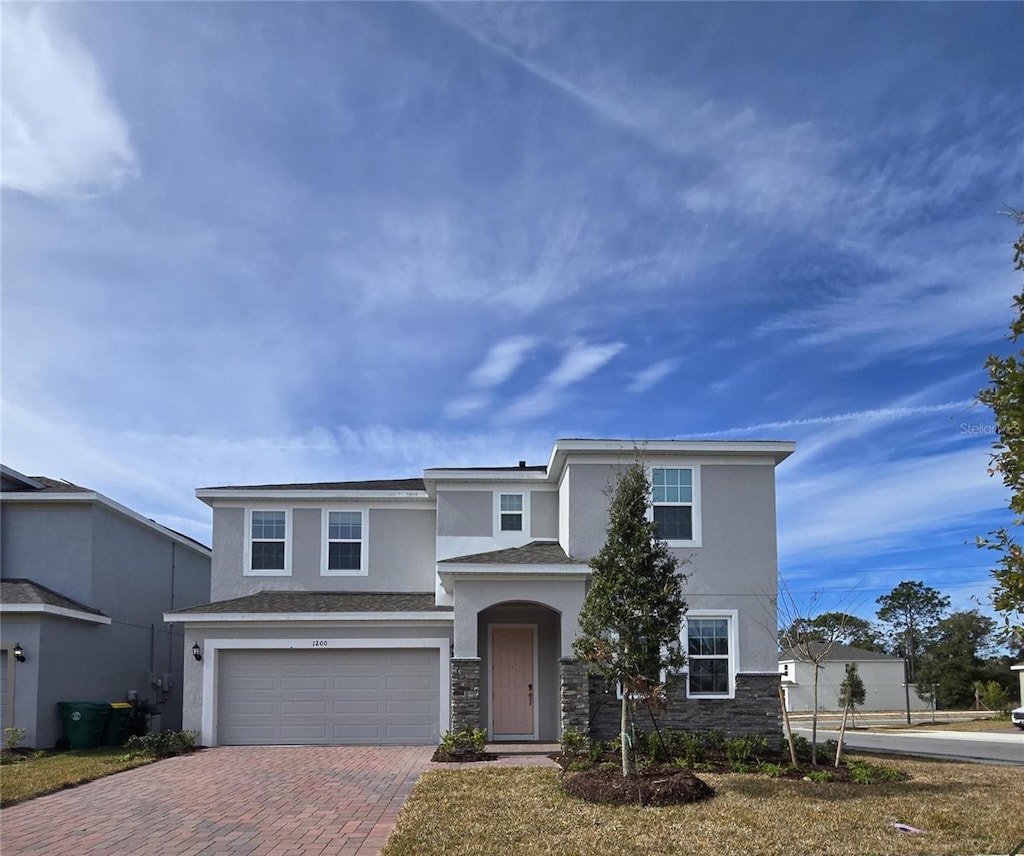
573 742
744 750
166 744
465 742
13 736
773 770
818 777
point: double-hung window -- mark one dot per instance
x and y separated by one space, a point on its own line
345 553
673 501
268 542
709 655
511 505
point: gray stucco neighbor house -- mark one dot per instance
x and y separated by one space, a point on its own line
84 583
391 611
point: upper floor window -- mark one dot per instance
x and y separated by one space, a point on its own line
709 654
268 542
672 489
511 512
345 554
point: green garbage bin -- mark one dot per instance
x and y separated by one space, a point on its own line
83 723
115 732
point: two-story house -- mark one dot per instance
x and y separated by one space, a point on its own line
84 584
391 611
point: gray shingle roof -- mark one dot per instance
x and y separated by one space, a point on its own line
532 468
837 653
52 486
320 601
375 484
534 553
22 591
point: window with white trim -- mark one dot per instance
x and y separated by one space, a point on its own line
511 506
672 492
268 542
344 551
709 655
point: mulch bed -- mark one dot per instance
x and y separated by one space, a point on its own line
461 757
654 786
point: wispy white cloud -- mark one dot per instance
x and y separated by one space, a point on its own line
578 363
501 361
856 509
881 414
653 374
62 134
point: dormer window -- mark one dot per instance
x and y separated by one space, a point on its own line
511 512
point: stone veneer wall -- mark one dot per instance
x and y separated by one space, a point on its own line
465 693
754 710
574 695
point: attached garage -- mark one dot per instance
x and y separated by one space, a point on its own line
329 696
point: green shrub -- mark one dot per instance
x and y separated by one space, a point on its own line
573 742
465 742
166 744
818 777
13 736
744 750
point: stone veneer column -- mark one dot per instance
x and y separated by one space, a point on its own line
574 694
465 693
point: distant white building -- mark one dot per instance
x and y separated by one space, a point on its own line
882 676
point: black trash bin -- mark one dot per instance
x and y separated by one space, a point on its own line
115 732
83 723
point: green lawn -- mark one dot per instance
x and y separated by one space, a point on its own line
963 808
34 777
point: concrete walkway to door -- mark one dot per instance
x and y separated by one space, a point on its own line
234 801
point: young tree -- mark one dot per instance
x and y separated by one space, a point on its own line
632 617
851 693
1005 395
810 643
911 611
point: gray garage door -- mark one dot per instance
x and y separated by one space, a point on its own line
331 696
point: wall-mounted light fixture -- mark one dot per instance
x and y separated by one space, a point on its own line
196 652
19 653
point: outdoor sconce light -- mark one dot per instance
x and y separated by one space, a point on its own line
196 652
19 653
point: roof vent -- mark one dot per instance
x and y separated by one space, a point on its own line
522 465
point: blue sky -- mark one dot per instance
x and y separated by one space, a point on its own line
248 243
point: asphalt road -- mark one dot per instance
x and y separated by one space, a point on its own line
980 747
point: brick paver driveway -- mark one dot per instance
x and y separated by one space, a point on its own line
265 801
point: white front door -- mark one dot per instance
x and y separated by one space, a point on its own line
512 682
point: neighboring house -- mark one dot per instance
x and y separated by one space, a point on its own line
391 611
882 676
84 583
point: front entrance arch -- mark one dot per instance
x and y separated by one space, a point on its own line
519 644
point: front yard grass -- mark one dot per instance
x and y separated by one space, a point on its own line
34 776
962 808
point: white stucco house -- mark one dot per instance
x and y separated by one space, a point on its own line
882 676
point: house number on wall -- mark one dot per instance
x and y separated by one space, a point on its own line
319 643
